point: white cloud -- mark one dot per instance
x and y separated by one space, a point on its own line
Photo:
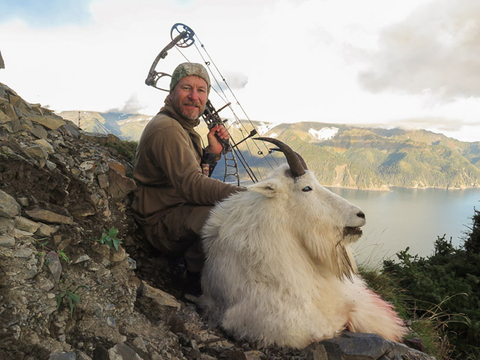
432 52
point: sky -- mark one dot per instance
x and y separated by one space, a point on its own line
410 63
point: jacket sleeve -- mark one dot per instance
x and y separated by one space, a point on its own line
173 152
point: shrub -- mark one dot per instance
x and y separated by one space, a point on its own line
110 238
126 148
445 288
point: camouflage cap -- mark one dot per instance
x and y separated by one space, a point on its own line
187 69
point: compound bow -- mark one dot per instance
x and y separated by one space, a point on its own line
183 36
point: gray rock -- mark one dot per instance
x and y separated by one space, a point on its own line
4 118
111 322
63 356
51 122
25 224
45 230
7 241
71 129
39 131
23 200
48 216
82 356
54 265
6 225
365 347
46 145
140 343
161 298
8 206
45 284
36 152
24 253
81 258
51 165
121 352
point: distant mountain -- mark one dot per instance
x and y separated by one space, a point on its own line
125 126
341 155
368 158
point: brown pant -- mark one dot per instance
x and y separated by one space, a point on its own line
178 233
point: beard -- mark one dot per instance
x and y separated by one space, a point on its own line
189 111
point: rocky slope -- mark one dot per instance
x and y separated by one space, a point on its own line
65 294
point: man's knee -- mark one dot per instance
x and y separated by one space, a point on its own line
179 229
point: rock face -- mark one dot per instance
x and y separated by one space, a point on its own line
66 295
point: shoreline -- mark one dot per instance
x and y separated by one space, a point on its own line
388 188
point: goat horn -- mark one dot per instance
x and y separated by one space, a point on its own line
295 161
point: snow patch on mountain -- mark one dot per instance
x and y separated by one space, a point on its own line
325 133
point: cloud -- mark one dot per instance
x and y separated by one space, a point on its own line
295 61
131 106
47 13
438 123
234 80
434 52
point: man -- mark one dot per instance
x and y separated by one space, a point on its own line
174 196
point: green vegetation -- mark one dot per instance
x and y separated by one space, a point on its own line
373 158
64 292
71 296
40 243
62 255
126 148
440 294
110 238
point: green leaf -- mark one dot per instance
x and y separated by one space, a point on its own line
112 232
116 242
59 300
71 305
74 297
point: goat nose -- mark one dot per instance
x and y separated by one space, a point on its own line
361 215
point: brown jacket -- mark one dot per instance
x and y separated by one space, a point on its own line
167 169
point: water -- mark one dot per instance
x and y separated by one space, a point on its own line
411 218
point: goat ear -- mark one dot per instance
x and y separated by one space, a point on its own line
269 188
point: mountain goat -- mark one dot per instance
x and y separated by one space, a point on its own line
278 268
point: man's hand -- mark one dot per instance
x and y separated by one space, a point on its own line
214 146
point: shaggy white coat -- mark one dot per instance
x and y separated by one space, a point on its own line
279 270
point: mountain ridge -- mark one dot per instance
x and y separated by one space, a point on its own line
342 155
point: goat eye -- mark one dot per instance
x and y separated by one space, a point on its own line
307 188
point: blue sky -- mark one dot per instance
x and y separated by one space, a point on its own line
46 13
412 63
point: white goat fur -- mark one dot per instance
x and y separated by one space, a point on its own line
276 271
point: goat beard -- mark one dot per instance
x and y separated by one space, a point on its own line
344 266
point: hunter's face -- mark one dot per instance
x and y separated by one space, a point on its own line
189 97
